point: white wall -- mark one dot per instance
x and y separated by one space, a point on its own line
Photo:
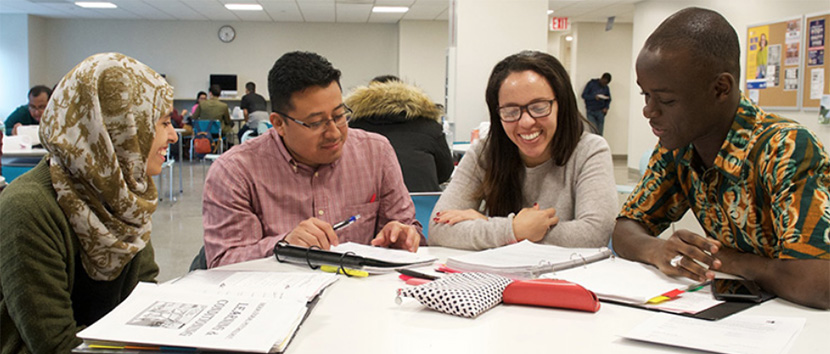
14 62
422 55
189 51
649 14
487 32
37 52
599 51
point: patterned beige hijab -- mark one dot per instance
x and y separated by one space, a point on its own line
99 127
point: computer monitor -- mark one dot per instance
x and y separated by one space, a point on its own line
227 83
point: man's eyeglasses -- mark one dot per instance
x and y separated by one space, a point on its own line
339 120
36 108
539 109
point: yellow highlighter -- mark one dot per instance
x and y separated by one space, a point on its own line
352 272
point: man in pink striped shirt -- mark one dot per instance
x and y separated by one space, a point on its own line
301 177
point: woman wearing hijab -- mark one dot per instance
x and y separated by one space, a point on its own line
75 230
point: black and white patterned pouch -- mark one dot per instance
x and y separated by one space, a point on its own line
460 294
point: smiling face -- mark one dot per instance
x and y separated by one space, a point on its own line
313 147
165 135
531 135
681 103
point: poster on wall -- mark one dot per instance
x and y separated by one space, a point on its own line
815 43
790 79
792 40
757 57
816 83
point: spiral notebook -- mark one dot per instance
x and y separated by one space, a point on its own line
527 260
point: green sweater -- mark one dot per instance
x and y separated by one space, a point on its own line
214 109
46 297
20 115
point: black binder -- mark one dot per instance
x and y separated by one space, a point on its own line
315 257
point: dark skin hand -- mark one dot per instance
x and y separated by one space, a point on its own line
803 281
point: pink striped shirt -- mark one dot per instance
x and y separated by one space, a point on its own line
255 194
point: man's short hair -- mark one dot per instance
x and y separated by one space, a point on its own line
297 71
250 86
39 90
705 35
607 77
385 78
215 90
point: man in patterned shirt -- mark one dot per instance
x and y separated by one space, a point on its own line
303 176
757 183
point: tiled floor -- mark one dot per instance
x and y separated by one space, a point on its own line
177 225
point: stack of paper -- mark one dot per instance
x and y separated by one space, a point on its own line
213 311
526 260
739 334
623 281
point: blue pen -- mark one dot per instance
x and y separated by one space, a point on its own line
346 222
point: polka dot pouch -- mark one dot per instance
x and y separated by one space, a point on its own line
460 294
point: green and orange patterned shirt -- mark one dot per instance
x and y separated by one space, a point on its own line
766 194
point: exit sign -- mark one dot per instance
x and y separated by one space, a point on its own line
559 24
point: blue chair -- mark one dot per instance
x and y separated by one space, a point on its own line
424 203
212 127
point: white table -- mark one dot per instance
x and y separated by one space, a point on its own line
359 315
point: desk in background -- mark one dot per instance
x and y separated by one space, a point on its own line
359 315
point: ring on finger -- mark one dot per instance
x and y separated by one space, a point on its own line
674 262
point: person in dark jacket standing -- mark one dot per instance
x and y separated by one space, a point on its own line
597 98
412 122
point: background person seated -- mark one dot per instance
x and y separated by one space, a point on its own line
254 108
29 114
412 122
214 109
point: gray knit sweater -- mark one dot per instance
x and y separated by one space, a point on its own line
583 193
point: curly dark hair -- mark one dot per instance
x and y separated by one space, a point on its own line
296 71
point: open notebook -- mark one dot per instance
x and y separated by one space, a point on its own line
253 312
526 260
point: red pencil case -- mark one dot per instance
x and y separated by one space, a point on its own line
551 293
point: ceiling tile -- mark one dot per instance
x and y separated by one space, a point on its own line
317 11
355 13
282 10
142 9
212 9
177 9
425 11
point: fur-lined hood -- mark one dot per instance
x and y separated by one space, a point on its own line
392 98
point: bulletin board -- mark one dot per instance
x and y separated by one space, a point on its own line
773 64
816 69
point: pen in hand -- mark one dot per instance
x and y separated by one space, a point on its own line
346 222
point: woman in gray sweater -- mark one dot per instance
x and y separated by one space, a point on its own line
537 176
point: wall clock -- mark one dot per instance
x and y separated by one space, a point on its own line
226 33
